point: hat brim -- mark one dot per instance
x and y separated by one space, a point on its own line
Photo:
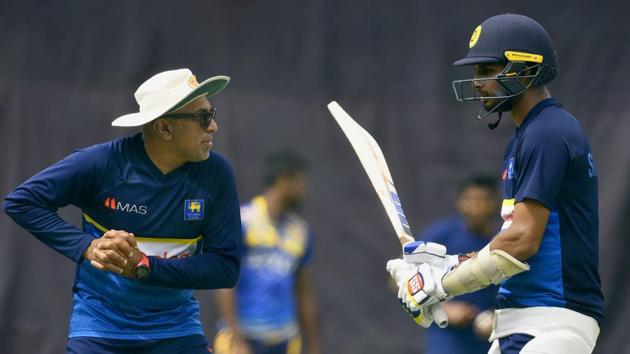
207 88
477 60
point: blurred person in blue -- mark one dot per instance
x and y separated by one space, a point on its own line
160 218
471 228
272 306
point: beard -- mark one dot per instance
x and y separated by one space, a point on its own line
500 104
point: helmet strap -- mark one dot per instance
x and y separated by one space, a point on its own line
493 126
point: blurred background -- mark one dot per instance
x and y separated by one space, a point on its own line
68 68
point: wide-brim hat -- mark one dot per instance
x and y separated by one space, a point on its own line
169 91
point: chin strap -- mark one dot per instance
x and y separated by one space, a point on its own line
493 126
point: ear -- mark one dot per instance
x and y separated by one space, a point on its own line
163 128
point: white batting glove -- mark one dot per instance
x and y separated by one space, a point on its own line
398 269
423 286
429 279
424 314
434 254
419 298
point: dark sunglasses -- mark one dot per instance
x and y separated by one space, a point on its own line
205 117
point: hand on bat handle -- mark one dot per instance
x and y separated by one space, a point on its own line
422 307
434 254
416 276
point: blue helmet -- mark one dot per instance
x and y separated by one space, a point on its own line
519 42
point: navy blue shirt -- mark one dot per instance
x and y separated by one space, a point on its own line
186 221
457 237
549 160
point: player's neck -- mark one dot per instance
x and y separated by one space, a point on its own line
162 157
528 100
276 204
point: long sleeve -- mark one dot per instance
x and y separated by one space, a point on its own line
218 264
34 204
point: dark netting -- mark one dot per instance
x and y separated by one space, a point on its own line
68 68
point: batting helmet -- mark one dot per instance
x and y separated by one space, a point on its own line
521 43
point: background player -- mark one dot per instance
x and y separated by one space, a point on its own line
273 302
471 229
160 217
553 303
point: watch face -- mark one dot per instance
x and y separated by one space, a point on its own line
142 272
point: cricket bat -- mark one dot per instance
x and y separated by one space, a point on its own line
375 166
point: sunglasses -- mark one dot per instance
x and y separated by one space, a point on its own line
205 117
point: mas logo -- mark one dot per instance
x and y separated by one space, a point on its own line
193 209
115 205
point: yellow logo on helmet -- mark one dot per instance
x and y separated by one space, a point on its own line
475 37
522 56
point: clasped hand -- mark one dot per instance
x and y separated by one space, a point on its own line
116 251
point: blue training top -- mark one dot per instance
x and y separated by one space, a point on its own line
550 161
458 239
273 253
186 221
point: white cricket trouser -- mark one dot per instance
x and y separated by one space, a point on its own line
555 330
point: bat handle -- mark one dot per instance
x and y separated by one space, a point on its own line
439 315
404 238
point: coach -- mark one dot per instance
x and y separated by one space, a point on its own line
160 217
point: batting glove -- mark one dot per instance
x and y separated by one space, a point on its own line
423 314
418 252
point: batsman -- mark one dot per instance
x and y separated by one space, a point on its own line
545 258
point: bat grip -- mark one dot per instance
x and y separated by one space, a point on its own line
439 315
404 238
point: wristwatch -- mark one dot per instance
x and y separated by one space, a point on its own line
143 268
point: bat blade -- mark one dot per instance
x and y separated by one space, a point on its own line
375 166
